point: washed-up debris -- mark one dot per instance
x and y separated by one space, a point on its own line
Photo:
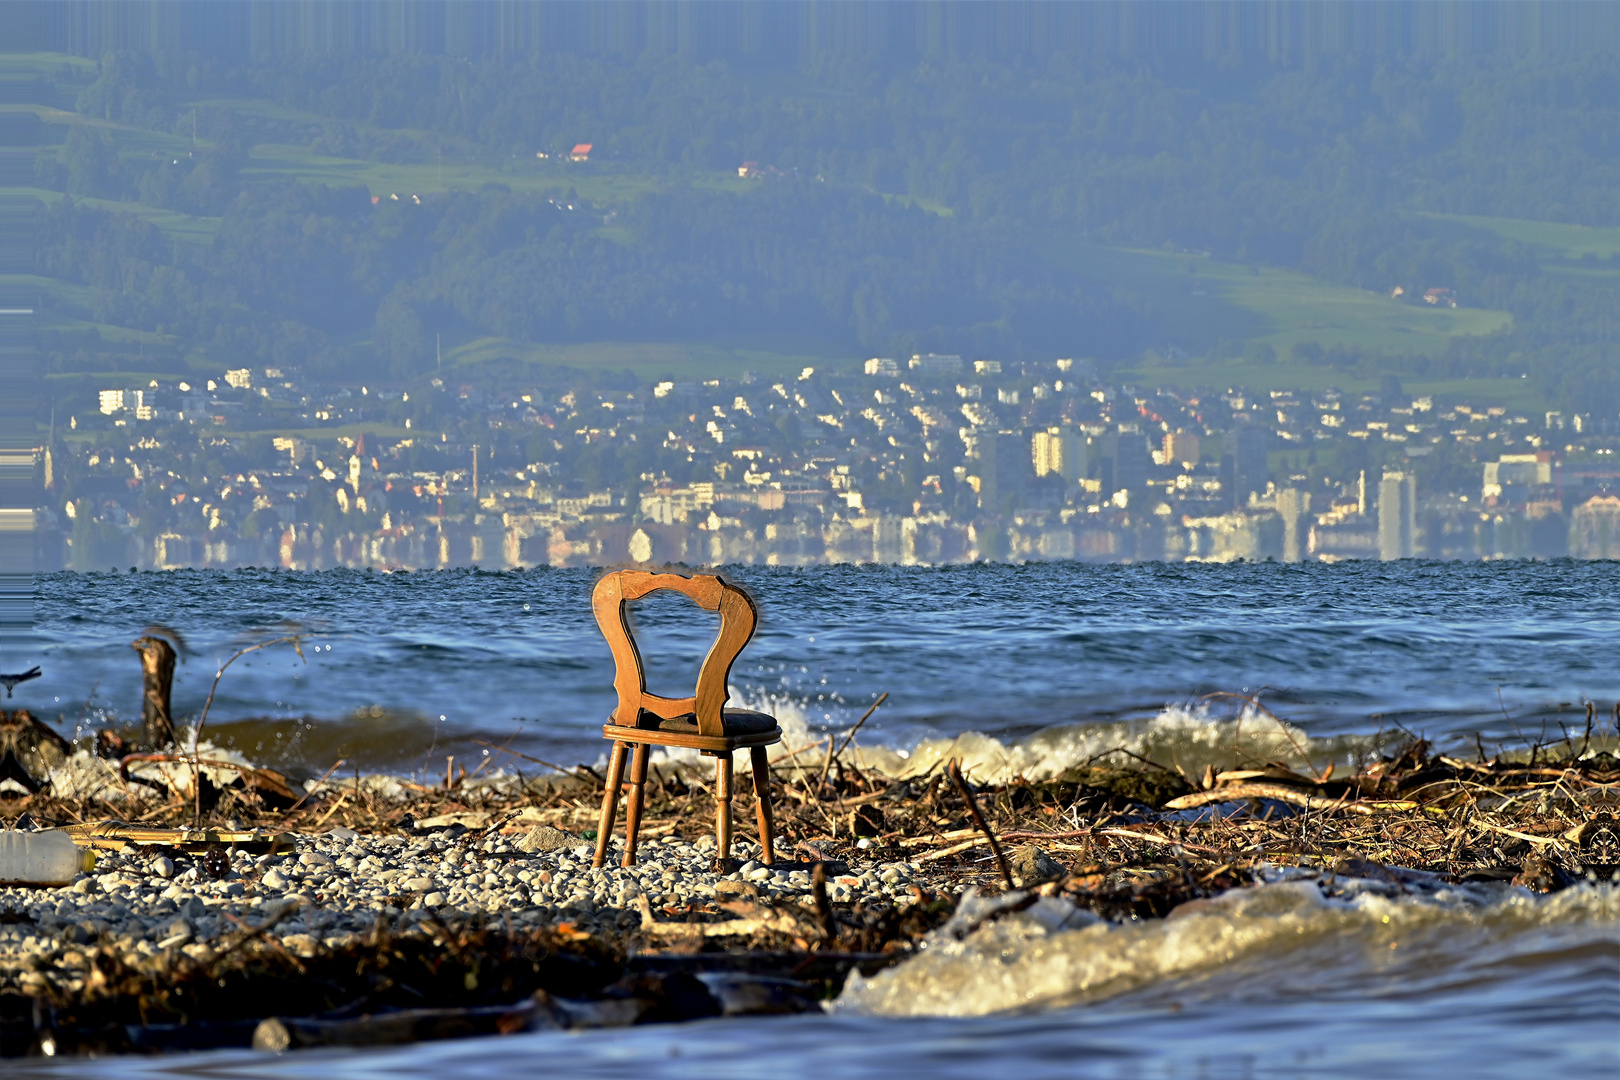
392 910
44 858
1030 866
114 835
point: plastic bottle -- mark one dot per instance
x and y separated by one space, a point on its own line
41 858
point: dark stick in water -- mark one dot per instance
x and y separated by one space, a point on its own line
157 671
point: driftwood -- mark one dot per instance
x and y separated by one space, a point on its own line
1288 794
279 1034
11 682
269 785
672 994
29 750
157 671
117 836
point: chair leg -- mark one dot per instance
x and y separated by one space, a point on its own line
762 800
610 801
722 795
633 805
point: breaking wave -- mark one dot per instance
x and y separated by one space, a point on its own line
1283 940
1180 737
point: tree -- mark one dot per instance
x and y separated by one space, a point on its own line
90 164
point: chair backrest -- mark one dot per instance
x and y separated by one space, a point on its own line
609 602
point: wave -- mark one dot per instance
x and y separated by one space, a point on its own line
1286 939
1180 737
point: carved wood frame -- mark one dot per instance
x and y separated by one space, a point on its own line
738 617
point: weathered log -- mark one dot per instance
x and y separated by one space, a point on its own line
640 998
279 1034
210 1035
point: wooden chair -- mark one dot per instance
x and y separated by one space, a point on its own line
702 722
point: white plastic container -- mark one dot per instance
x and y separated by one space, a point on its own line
41 858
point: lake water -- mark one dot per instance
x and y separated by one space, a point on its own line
1021 669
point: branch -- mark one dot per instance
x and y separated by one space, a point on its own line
196 738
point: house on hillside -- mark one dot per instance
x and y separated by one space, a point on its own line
748 170
582 152
1440 297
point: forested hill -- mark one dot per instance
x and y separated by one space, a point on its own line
984 206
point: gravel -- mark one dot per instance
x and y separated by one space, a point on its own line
343 883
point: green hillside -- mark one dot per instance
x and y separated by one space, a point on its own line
1145 215
1551 239
1201 297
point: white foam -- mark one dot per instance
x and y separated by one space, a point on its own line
1179 737
1290 937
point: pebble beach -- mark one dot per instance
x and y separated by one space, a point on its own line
333 888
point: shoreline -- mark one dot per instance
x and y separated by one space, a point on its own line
356 920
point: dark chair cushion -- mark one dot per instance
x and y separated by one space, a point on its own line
737 721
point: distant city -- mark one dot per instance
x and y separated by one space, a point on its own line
926 459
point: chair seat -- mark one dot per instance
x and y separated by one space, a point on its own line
737 722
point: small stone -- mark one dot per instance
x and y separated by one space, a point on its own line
433 899
274 879
1031 865
544 838
177 932
163 867
303 945
315 860
342 833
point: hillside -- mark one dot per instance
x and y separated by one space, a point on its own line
384 216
